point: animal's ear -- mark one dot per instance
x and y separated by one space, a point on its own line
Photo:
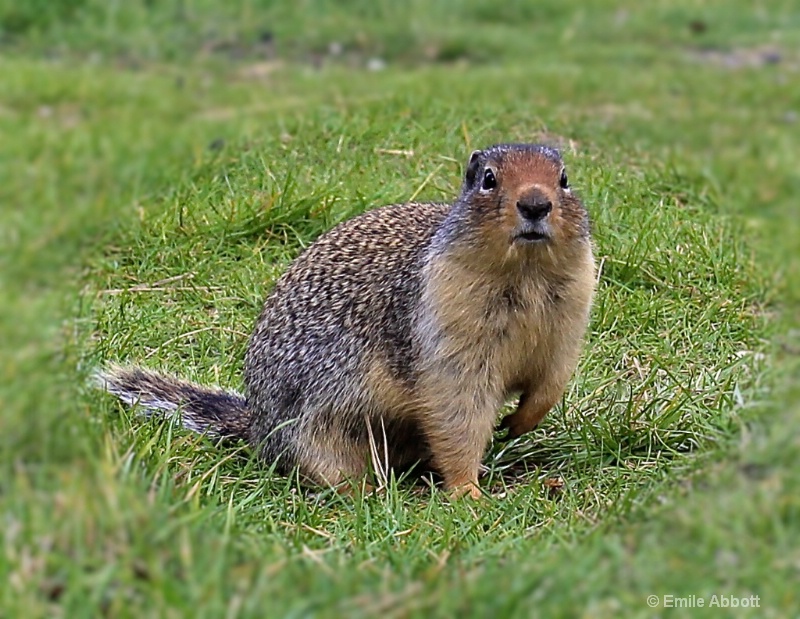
472 167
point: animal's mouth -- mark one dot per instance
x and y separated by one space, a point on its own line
532 234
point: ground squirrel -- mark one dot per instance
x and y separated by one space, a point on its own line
404 330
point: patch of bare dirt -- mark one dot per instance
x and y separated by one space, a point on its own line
743 58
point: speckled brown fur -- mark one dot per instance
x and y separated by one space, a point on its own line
412 322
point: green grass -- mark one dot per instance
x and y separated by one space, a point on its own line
162 163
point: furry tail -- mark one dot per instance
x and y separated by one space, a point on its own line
202 409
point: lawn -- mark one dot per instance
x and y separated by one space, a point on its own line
161 163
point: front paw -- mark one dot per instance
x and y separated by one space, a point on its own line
470 489
515 425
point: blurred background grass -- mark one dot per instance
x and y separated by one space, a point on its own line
210 141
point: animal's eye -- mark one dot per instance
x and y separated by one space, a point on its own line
489 181
563 181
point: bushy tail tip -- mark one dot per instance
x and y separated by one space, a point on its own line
202 409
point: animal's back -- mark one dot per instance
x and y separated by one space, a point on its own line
340 314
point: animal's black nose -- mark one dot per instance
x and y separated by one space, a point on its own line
534 208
